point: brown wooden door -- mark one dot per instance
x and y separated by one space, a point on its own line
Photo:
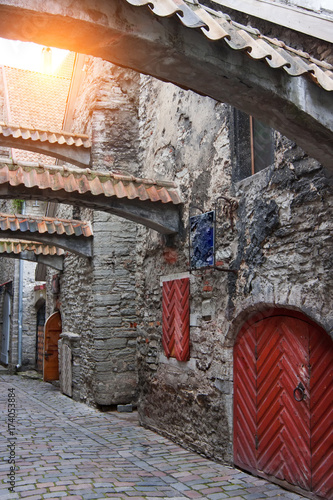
283 403
51 337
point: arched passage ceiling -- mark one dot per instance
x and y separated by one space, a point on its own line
155 204
178 49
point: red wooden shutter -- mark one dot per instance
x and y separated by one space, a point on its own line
176 318
168 318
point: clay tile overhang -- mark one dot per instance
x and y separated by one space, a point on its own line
88 182
217 26
19 246
41 225
19 132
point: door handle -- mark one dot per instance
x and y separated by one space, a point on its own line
46 355
299 392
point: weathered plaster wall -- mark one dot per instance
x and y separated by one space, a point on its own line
281 247
29 317
9 270
7 267
29 322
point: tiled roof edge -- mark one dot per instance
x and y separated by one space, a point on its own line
87 172
18 246
40 224
217 26
86 181
42 135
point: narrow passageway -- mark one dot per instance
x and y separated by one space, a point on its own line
65 449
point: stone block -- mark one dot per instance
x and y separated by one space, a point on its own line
207 309
108 322
125 408
111 344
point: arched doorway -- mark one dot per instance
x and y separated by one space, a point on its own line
40 322
283 401
51 337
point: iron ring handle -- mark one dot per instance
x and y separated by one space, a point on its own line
301 389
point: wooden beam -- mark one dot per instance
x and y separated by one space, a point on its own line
54 261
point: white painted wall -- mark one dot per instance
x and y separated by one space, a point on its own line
315 5
312 17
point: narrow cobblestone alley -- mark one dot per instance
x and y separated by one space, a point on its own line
65 449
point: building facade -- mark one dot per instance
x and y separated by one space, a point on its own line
223 358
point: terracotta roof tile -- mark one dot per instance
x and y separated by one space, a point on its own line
217 26
41 225
87 181
36 100
66 67
60 137
18 246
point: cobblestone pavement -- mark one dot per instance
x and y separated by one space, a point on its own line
67 450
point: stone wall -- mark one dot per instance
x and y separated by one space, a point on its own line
7 267
97 296
114 311
280 248
75 305
29 322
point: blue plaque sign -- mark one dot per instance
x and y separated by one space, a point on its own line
202 238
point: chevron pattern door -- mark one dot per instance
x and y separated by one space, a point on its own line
321 408
176 318
283 402
245 400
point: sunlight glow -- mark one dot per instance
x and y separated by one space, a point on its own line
28 55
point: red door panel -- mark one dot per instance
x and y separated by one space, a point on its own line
321 384
283 403
283 423
245 406
52 334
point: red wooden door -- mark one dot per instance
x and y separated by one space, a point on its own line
52 334
283 409
321 407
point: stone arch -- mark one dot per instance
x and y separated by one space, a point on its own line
168 49
253 311
39 303
155 204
